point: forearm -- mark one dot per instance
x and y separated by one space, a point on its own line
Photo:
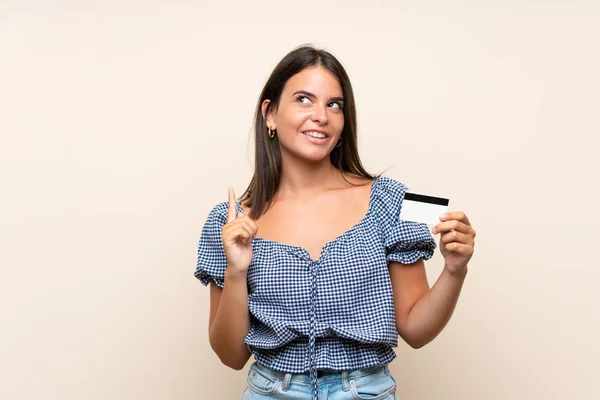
433 310
232 322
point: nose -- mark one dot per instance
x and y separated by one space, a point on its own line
320 114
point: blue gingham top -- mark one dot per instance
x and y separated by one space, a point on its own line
336 312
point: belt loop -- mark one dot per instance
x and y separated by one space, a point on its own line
286 382
345 384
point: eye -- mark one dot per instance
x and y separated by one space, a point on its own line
335 104
303 99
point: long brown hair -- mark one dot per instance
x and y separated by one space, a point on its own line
267 157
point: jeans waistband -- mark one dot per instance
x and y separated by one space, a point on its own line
323 375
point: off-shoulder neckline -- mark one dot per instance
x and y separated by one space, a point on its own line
327 246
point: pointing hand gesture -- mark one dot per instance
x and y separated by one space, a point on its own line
237 236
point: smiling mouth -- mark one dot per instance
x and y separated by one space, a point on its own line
317 135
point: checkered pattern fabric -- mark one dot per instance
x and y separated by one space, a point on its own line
336 312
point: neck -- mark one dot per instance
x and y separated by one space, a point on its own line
300 177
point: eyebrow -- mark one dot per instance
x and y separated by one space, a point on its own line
312 96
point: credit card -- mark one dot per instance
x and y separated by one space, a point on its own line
423 208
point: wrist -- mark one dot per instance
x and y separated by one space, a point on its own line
233 274
460 273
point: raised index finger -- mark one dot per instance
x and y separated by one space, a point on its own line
232 209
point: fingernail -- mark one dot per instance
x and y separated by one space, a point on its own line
443 216
434 230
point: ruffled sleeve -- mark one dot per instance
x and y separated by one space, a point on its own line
211 254
405 242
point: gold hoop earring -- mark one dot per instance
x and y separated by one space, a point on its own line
339 143
271 133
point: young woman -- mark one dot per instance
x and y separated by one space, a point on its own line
312 272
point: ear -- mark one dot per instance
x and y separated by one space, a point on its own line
270 117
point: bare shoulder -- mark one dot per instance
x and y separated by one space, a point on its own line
353 180
353 191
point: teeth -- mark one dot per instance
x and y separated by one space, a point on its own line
316 135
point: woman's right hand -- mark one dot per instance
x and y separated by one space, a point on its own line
237 236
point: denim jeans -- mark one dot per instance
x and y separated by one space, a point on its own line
372 383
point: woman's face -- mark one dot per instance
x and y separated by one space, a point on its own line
310 118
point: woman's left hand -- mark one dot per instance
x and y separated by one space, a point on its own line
457 240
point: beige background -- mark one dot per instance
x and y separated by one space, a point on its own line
123 122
